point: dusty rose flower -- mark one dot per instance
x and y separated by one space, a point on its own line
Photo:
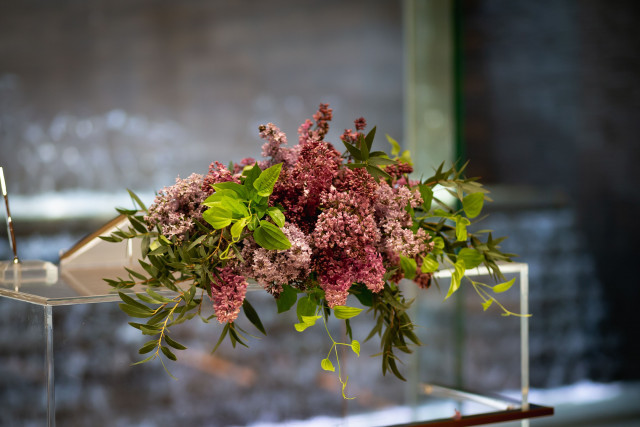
227 294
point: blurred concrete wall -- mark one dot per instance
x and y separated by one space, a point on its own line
107 95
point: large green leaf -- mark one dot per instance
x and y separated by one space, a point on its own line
472 258
427 196
267 179
239 189
344 312
219 217
503 287
456 277
270 237
408 266
306 307
472 204
429 264
251 175
276 215
286 299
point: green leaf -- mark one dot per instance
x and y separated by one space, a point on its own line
487 304
269 236
150 329
138 225
148 346
111 239
219 217
365 296
144 245
223 334
147 299
456 277
377 173
353 150
276 215
153 356
395 147
130 301
286 299
429 264
227 199
369 139
251 175
426 193
239 189
236 229
135 274
472 204
408 266
327 365
137 200
472 258
344 312
307 321
267 179
503 287
168 353
355 346
381 161
157 296
134 311
438 243
173 343
306 307
461 228
252 315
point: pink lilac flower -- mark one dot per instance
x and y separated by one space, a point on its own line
228 293
239 167
271 268
345 239
349 136
273 149
175 208
217 173
398 171
360 123
336 275
322 118
397 238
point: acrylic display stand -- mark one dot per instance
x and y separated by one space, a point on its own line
35 307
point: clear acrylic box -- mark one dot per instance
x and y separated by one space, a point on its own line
68 350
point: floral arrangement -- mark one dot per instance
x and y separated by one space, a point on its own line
310 225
